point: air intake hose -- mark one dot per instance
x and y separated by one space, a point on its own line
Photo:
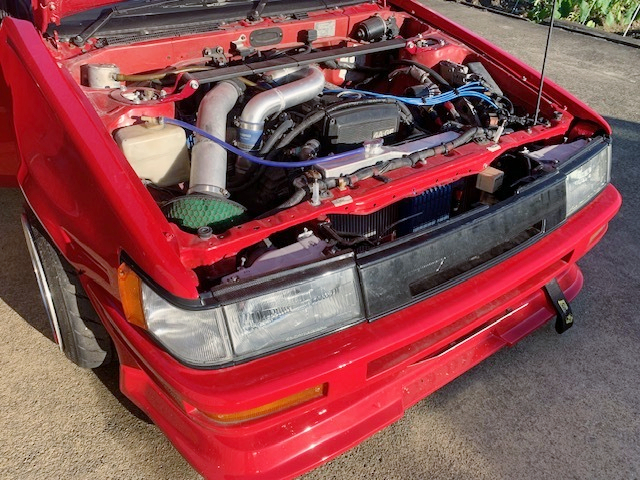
276 100
208 159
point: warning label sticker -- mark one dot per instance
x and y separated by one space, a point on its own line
326 28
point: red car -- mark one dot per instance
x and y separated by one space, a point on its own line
290 221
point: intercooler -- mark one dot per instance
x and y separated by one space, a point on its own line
425 210
402 218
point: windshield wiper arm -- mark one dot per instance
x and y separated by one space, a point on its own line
87 33
106 15
254 16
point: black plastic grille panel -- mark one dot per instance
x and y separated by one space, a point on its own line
417 266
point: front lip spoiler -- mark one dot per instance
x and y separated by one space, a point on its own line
341 424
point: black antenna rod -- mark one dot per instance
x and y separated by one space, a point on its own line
544 62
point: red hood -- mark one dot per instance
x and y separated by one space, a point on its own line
46 12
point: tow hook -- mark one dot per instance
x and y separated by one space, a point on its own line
564 318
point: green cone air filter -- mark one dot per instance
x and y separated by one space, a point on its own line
194 211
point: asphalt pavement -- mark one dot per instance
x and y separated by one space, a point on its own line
551 407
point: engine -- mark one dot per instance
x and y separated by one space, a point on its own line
287 126
243 134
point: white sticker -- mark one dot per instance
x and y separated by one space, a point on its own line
346 200
326 28
384 133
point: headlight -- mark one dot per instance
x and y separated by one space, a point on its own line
586 181
291 314
194 337
252 318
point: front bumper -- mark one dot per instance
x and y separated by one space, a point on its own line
374 371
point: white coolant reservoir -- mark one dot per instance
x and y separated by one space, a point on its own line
156 152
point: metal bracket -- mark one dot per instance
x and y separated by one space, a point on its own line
241 48
217 55
176 93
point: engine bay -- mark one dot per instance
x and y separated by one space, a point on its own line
282 141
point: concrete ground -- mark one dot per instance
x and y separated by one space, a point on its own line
553 406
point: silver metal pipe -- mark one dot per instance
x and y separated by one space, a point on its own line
208 159
286 74
251 121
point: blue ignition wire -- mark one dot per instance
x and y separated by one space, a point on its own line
473 89
253 158
469 90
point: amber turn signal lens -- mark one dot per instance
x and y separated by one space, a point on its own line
270 408
131 296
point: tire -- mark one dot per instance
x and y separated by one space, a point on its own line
76 326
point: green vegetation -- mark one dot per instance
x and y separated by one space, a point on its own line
587 12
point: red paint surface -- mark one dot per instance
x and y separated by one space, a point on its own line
73 176
374 371
90 202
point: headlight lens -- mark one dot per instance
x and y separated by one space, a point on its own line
293 314
255 317
586 181
196 337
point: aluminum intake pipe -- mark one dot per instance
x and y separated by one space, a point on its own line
208 159
251 122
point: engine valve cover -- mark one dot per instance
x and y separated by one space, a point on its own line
351 127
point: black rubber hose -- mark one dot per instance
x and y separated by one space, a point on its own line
511 108
374 170
295 199
429 70
275 136
463 139
298 196
307 122
255 172
301 50
340 238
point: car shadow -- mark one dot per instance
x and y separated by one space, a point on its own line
19 289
